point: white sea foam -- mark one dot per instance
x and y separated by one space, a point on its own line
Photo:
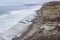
8 30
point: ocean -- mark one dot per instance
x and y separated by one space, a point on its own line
13 20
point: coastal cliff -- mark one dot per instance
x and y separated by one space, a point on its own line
47 22
46 25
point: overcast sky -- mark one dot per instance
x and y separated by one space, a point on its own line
18 2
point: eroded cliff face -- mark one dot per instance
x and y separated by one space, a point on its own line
47 22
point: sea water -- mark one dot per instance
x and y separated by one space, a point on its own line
13 20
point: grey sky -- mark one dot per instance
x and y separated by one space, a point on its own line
17 2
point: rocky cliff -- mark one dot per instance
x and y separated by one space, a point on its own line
47 22
46 25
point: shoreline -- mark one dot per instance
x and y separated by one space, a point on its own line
26 33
